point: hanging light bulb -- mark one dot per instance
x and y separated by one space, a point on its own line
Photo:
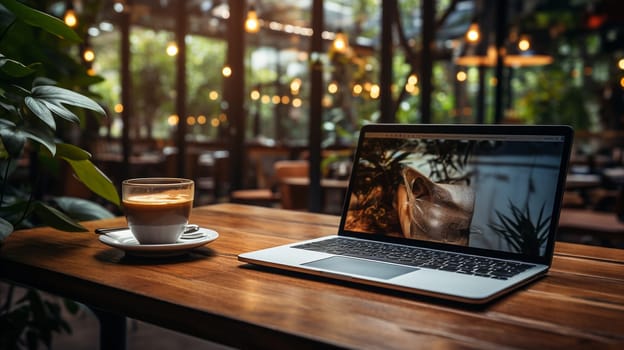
524 43
172 48
226 71
473 34
88 54
252 25
70 17
341 41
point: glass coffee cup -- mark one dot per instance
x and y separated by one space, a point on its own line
158 208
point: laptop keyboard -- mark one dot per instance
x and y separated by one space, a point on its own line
418 257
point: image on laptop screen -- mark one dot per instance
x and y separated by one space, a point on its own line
494 192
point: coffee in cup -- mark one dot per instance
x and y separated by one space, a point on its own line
157 209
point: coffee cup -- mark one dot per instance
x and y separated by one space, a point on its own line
157 209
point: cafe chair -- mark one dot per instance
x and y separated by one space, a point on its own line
292 197
210 175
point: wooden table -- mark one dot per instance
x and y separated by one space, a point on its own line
210 294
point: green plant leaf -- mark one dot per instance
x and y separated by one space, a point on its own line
13 142
55 218
58 95
6 123
41 111
69 151
61 111
41 136
41 20
82 209
92 177
6 228
14 68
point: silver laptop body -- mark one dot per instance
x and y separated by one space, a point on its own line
460 212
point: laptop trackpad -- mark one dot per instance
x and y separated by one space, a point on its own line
360 267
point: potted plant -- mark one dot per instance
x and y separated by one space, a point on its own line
31 108
33 111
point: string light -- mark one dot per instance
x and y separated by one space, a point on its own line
88 54
341 42
252 25
226 71
473 34
524 44
70 17
172 48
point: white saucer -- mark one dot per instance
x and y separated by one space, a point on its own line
125 241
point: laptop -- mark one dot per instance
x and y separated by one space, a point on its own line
459 212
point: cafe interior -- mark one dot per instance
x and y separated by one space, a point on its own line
260 101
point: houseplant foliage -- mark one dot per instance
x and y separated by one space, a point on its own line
31 110
37 104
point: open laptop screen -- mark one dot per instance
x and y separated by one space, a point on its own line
491 190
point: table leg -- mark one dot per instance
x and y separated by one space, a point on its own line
112 330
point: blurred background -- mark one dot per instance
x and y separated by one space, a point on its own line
222 91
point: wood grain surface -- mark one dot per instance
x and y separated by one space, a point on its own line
210 294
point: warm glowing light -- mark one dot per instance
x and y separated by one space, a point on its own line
118 108
524 43
413 79
255 95
173 120
190 120
622 82
297 102
223 117
461 76
214 122
70 18
332 88
621 63
88 55
91 72
265 99
326 102
375 91
213 95
295 86
201 119
285 100
276 99
341 42
473 34
252 25
357 89
226 71
172 48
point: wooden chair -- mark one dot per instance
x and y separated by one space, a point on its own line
210 174
288 197
267 195
292 197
